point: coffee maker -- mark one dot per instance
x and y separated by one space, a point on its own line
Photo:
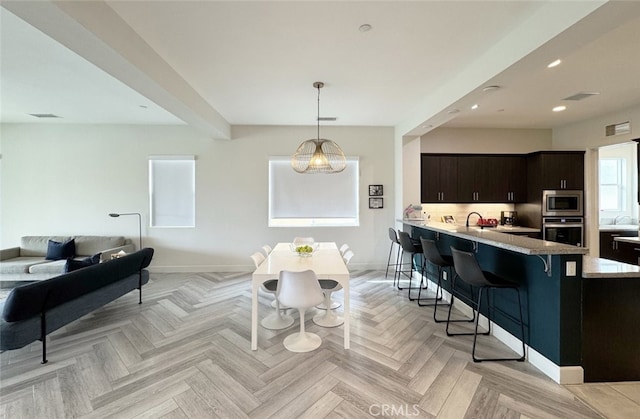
508 218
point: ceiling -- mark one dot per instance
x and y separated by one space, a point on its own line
213 64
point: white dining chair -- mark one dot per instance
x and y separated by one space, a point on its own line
276 320
344 248
300 290
303 240
329 318
267 249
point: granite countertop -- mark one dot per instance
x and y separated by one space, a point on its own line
634 240
605 268
494 237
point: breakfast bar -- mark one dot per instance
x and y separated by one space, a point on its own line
555 278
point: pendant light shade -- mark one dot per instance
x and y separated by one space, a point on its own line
318 155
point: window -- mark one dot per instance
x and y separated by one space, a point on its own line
172 191
303 200
612 187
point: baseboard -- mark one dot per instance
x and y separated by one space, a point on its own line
241 268
561 375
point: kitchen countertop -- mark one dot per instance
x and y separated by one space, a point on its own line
498 238
634 240
618 227
605 268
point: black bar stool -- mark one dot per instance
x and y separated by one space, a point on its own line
432 256
411 247
469 271
393 236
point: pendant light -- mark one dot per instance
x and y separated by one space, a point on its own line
318 155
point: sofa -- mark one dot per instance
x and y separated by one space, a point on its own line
28 261
32 311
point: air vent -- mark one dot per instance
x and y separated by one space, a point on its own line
617 129
581 95
327 118
44 115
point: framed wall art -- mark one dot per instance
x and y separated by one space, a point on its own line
375 203
375 190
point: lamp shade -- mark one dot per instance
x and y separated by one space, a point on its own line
318 156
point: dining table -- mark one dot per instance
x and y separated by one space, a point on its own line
327 263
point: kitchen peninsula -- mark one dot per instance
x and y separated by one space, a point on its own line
561 330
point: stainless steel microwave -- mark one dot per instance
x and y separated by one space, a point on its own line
562 203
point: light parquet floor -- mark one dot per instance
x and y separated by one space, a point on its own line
185 353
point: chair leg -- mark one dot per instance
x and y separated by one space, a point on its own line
389 260
438 297
471 320
473 351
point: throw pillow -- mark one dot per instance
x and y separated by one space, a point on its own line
75 264
57 250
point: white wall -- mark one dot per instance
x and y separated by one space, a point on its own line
589 135
65 179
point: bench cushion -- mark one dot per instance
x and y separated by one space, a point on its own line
20 265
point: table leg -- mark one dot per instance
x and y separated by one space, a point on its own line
347 315
254 316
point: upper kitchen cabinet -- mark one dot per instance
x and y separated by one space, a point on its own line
480 178
554 170
510 177
491 178
438 178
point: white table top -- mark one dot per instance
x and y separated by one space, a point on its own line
326 262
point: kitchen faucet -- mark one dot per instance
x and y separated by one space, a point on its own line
473 212
620 218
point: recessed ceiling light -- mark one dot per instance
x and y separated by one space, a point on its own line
452 111
474 106
559 108
143 106
365 27
490 88
427 126
554 63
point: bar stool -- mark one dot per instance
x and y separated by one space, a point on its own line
413 248
432 256
469 271
393 236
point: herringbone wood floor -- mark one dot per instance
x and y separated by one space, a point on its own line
185 353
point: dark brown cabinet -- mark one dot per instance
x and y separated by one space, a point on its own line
438 178
467 178
628 252
511 178
615 250
475 179
555 170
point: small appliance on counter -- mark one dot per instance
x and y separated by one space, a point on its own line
509 218
487 222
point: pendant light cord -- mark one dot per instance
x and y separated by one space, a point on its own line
318 118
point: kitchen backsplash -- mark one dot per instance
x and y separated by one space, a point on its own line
460 211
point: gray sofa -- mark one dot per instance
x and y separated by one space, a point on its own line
34 310
28 263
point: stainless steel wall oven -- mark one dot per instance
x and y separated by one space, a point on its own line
567 230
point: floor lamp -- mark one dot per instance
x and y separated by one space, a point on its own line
113 214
